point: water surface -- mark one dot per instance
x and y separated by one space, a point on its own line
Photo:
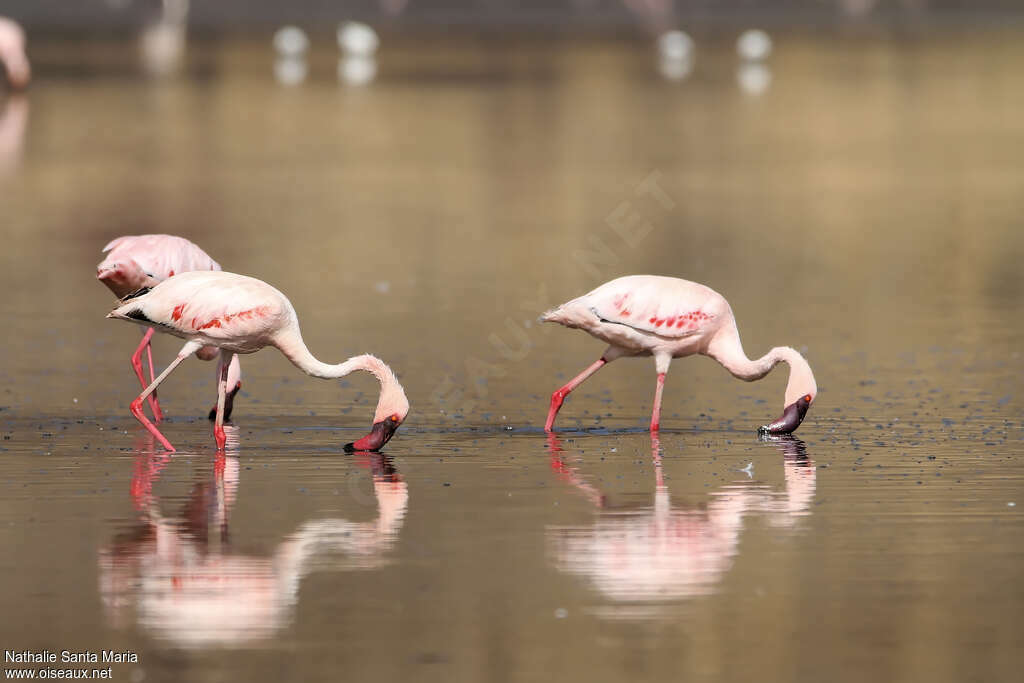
864 206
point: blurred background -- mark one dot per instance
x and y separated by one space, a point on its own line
232 15
422 179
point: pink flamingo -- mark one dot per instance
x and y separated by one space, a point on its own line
665 317
138 261
239 314
12 54
181 577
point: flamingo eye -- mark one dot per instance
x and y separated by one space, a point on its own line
394 418
807 398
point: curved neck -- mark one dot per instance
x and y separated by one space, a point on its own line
727 349
294 349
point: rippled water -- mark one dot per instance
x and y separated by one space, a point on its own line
864 207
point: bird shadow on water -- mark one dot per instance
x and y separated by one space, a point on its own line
642 559
180 578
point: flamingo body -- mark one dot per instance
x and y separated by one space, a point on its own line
239 314
666 317
135 262
646 314
12 54
231 312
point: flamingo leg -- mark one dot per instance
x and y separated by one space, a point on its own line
154 402
234 386
222 389
559 395
661 363
136 408
137 367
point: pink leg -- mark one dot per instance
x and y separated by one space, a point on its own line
137 367
222 389
187 350
656 413
154 402
559 396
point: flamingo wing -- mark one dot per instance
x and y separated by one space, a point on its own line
667 307
214 305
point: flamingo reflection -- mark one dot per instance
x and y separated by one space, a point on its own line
13 123
665 552
181 579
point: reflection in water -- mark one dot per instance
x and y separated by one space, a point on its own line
291 45
13 122
179 577
754 78
162 44
357 69
290 69
641 557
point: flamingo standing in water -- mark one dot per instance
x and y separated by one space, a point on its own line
239 314
12 54
666 317
137 261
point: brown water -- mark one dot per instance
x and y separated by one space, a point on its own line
865 207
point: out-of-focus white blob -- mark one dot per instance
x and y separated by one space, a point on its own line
163 44
357 39
357 70
290 41
675 55
675 69
13 60
754 78
290 70
162 47
754 45
675 46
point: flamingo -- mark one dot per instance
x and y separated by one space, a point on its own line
12 54
669 551
240 314
666 317
180 576
136 261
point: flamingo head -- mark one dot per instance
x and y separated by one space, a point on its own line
801 391
392 410
791 417
123 277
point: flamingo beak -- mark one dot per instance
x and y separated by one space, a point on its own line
790 419
380 434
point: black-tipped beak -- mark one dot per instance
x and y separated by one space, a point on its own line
379 435
790 419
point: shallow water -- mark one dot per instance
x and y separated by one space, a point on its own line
863 208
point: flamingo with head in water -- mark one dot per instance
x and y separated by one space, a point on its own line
666 317
136 261
12 54
239 314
